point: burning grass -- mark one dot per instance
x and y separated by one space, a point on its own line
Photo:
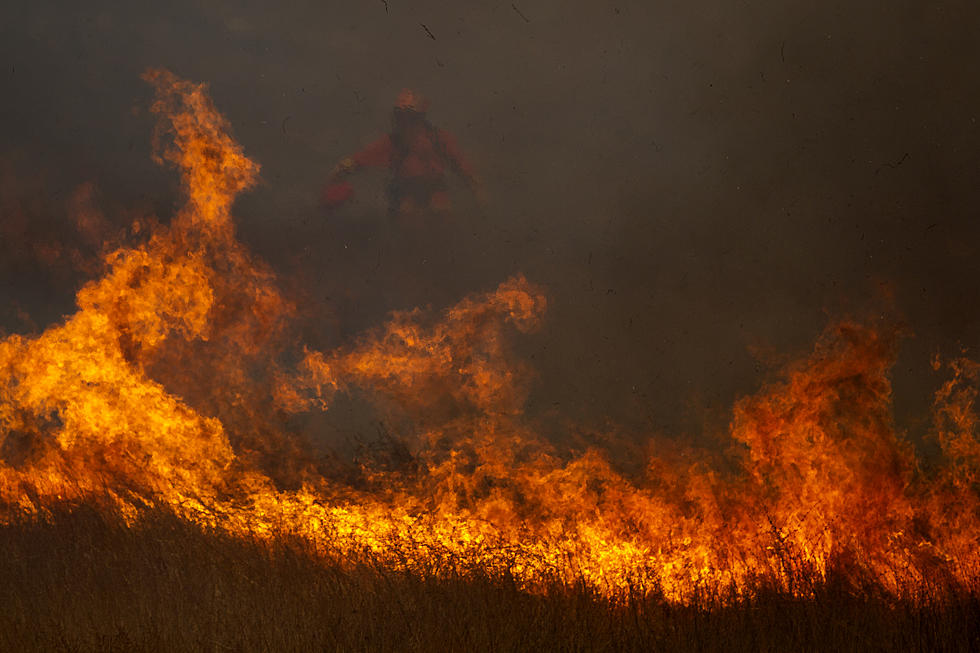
166 399
81 579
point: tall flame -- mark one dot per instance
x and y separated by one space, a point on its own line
169 384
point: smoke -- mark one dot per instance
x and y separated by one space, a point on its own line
691 182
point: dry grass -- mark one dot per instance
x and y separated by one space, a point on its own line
82 581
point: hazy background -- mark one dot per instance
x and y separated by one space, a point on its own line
700 185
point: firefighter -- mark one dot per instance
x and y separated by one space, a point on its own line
417 155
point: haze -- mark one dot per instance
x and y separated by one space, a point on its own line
701 186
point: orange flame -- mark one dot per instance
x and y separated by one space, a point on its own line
163 388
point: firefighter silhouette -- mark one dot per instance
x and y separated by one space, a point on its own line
418 156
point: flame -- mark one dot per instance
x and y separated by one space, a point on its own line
169 384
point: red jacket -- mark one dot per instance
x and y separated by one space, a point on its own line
427 153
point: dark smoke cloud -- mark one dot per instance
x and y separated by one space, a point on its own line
692 181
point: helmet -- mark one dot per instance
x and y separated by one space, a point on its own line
409 100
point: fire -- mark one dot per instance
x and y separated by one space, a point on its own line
168 384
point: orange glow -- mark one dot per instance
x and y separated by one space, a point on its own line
162 390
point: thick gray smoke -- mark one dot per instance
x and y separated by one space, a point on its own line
698 184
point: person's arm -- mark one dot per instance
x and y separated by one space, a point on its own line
455 156
375 155
461 165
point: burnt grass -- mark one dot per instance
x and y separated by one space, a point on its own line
79 580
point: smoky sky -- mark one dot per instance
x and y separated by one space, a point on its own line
700 186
